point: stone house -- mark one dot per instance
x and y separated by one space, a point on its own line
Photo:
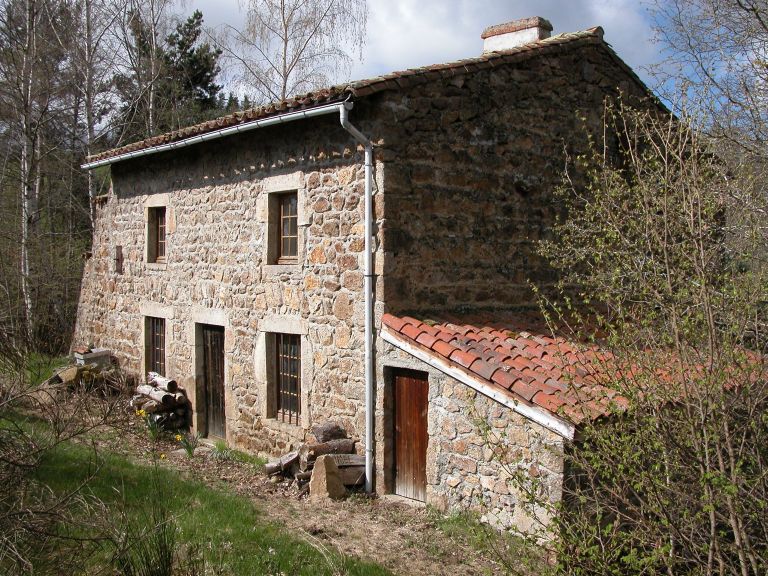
235 256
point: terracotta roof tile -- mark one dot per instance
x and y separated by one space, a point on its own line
443 348
517 361
525 389
393 321
484 369
426 339
464 358
551 402
433 330
529 366
504 378
413 332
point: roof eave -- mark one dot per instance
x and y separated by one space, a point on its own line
309 112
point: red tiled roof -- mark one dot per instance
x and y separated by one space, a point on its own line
393 81
559 376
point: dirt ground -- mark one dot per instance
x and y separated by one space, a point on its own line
404 538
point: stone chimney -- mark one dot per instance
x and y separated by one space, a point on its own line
516 33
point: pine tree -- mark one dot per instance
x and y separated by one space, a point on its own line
181 72
192 70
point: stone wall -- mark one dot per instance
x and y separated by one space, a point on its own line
216 199
465 170
475 445
471 165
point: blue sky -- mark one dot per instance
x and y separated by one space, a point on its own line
409 33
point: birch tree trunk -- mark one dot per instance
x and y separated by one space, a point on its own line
28 151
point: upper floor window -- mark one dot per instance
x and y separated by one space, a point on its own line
288 229
156 246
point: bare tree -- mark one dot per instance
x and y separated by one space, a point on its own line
143 29
29 88
717 52
291 46
41 92
93 62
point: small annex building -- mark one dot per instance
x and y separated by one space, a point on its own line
231 256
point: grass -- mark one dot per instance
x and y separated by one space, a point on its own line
40 367
222 451
229 530
509 550
462 526
37 368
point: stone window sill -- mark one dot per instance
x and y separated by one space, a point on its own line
157 266
293 429
273 269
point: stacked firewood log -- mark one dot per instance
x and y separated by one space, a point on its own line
329 439
164 402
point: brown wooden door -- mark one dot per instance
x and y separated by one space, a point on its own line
213 378
411 403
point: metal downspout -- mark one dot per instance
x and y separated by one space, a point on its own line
370 378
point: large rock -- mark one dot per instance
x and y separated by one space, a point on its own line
69 375
326 482
328 431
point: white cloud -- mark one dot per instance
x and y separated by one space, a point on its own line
411 33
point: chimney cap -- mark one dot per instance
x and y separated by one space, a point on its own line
517 26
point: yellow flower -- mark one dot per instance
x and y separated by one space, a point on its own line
178 437
162 456
141 413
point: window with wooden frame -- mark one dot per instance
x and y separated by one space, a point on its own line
283 246
288 229
155 344
156 245
287 377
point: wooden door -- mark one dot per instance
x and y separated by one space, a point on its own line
411 402
213 380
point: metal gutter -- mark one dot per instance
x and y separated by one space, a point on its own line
221 133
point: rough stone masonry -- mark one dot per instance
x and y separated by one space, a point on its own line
465 168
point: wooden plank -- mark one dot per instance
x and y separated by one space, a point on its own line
420 437
411 391
213 371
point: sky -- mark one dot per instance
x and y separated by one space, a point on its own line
410 33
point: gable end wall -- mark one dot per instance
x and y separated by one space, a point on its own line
472 165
